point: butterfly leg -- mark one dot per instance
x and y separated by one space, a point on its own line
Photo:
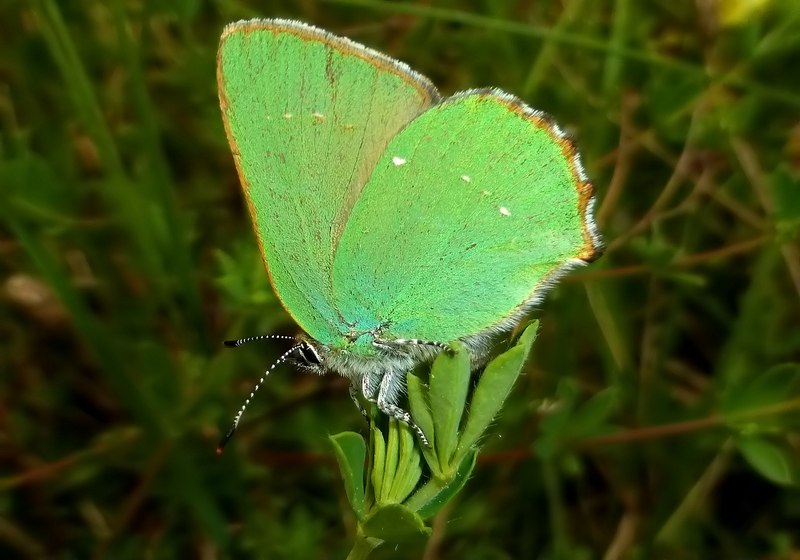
398 343
353 389
369 387
390 385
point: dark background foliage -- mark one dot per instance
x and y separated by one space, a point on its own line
655 419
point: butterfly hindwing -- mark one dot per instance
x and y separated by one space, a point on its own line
474 208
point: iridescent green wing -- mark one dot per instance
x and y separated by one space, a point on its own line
474 209
307 115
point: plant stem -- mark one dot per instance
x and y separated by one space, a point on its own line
363 547
696 497
425 494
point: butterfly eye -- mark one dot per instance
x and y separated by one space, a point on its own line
308 354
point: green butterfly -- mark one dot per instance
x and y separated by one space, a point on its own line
393 221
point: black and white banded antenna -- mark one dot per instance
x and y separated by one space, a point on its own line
239 341
283 357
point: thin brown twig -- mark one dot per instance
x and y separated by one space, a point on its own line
748 159
627 148
625 536
649 348
739 210
51 469
651 432
655 432
137 496
679 175
689 260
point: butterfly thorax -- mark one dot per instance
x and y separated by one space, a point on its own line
366 354
360 336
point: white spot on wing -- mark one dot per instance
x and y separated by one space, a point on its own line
398 161
466 178
504 211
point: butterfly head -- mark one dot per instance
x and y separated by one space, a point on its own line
309 356
349 359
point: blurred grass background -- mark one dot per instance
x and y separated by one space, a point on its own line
656 419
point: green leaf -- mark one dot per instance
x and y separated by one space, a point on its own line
554 427
378 463
768 459
395 523
409 469
758 393
493 388
421 413
786 196
449 384
420 408
410 481
363 547
351 451
390 463
591 418
432 502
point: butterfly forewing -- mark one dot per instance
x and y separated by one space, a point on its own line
307 115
